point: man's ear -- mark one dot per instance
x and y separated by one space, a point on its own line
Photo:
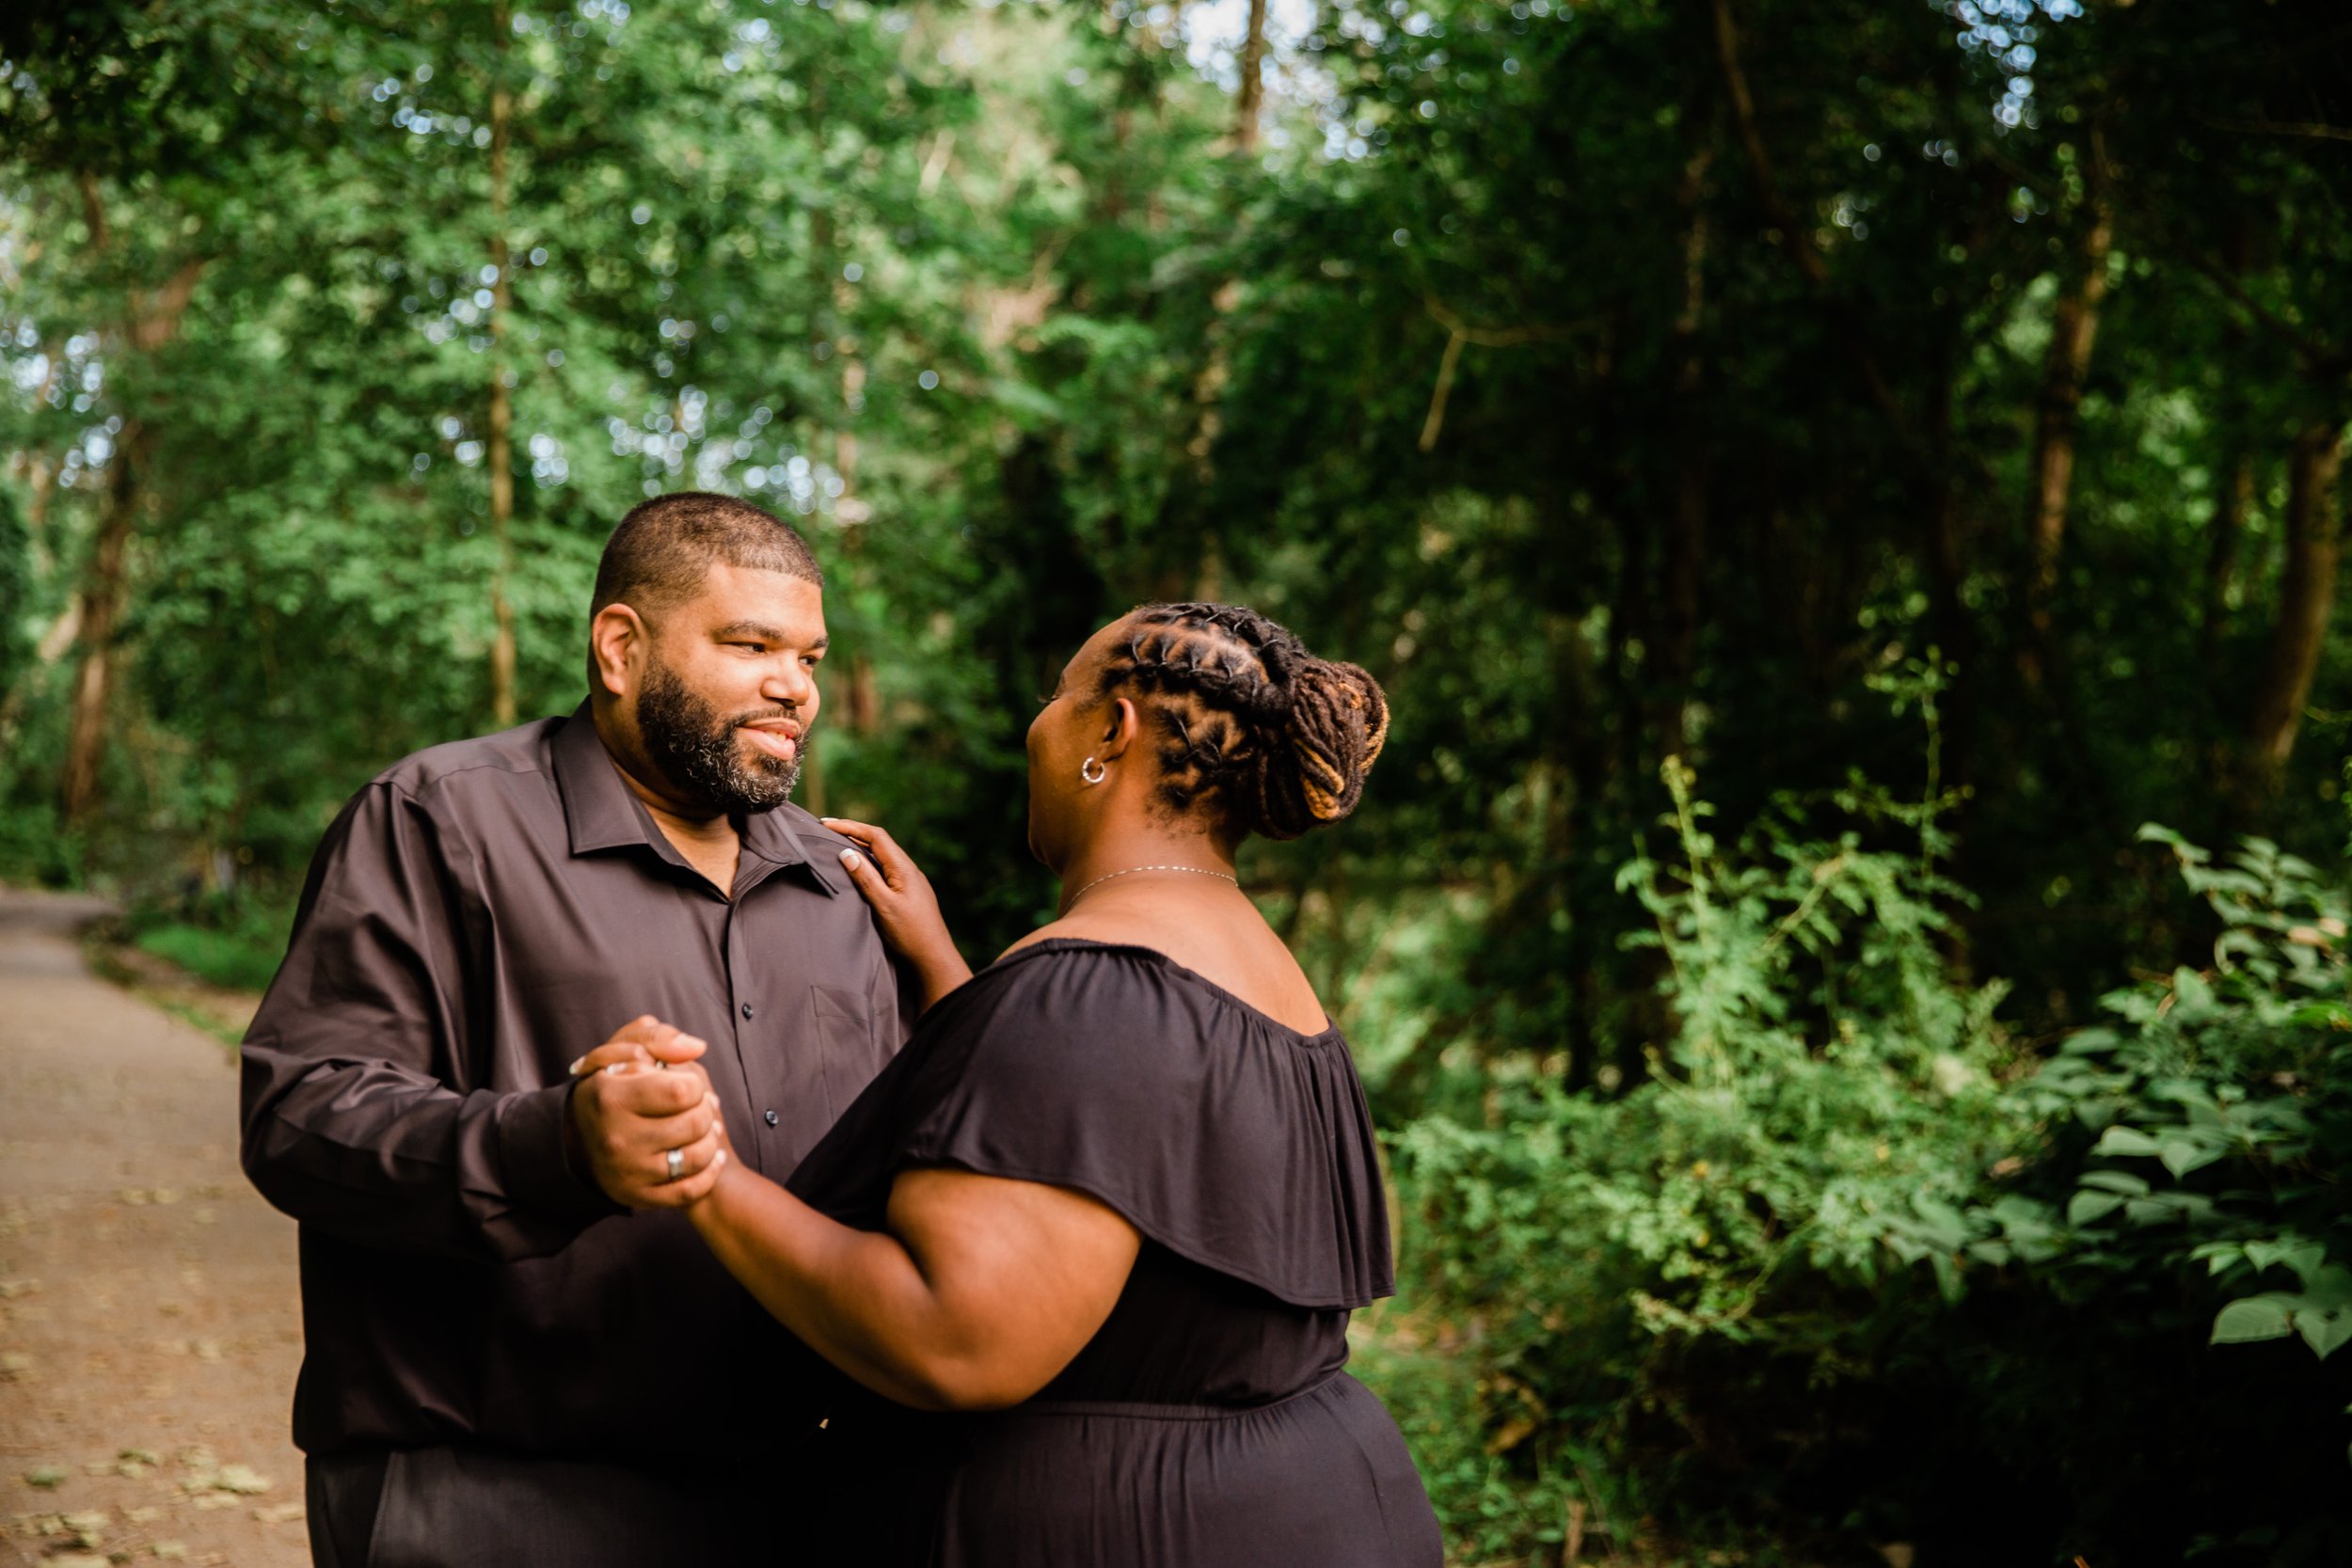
617 639
1120 730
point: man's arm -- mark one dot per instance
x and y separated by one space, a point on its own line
355 1120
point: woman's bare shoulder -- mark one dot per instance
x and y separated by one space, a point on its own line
1088 927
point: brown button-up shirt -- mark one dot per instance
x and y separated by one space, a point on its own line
480 916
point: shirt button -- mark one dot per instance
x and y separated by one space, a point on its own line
746 1009
770 1117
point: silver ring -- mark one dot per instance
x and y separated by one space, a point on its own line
677 1163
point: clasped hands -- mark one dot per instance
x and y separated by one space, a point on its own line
647 1117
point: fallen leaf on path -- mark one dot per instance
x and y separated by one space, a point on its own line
12 1289
221 1485
169 1550
282 1513
84 1529
242 1479
46 1477
15 1367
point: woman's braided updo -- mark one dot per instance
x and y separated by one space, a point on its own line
1246 721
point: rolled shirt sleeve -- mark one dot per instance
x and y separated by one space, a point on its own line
365 1110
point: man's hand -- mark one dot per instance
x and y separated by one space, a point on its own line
904 905
641 1094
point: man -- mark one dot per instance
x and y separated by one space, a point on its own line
502 1364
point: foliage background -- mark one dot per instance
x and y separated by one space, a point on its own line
1814 477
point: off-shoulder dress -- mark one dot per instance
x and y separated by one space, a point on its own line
1209 1423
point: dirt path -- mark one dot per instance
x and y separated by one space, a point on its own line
150 1325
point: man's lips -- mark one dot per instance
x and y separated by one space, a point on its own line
777 738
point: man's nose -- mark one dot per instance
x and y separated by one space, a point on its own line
794 685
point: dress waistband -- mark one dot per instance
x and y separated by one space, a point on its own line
1137 1410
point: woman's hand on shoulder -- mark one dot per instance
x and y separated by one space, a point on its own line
904 905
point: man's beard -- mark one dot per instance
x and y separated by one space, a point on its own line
697 751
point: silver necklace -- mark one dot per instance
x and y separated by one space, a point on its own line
1196 870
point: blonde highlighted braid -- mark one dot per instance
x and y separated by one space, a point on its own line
1248 722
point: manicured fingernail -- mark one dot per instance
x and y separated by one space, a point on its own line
577 1064
852 859
719 1159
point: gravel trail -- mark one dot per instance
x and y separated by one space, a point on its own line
150 1323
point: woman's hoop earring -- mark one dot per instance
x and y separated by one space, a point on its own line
1092 772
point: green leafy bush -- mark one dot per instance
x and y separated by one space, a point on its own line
1848 1253
1819 1119
2221 1100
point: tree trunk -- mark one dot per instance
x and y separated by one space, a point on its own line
1188 564
500 454
150 323
1948 571
2306 595
1248 111
2234 493
2233 486
859 707
1686 520
103 596
2074 326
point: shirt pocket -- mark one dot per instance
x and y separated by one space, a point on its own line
843 1027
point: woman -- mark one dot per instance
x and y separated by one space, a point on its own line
1119 1190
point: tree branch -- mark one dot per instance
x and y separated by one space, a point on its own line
1799 239
1744 113
2278 128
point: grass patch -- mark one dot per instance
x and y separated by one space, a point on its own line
240 957
195 1016
1492 1506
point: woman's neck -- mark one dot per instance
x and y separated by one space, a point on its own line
1128 854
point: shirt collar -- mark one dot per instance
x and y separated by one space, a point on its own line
602 813
597 806
784 837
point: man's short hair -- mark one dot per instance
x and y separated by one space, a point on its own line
664 548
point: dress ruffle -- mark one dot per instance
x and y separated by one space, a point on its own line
1232 1141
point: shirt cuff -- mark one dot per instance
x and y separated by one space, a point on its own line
540 1176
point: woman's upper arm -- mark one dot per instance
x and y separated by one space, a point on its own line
1022 1275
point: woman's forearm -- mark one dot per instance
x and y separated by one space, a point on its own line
856 1298
941 969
